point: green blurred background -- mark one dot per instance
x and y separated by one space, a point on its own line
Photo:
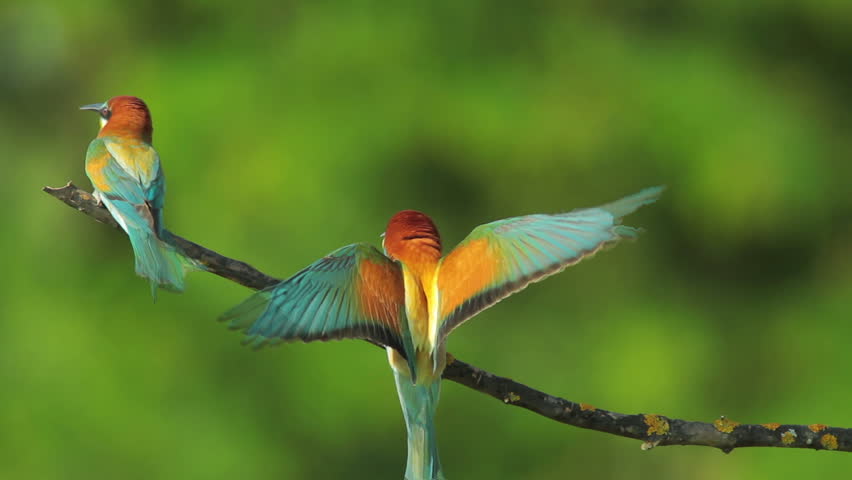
290 129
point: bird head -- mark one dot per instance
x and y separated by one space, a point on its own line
411 236
124 115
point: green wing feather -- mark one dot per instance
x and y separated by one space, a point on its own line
353 292
503 257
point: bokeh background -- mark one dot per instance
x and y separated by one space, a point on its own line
290 129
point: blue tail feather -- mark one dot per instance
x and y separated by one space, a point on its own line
418 406
160 262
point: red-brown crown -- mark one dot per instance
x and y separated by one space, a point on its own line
412 236
128 116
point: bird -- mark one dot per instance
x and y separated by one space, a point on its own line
410 296
128 180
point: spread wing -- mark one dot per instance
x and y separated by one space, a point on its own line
503 257
353 292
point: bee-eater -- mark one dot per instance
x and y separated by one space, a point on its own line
127 177
410 298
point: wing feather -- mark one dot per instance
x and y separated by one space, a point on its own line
128 198
503 257
353 292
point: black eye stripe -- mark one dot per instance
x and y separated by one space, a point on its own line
105 113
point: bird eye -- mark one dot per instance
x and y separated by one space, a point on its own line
105 113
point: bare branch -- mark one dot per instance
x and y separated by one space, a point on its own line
234 270
652 430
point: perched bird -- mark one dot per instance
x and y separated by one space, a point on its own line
410 298
125 171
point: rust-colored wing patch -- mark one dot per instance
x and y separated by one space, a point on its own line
95 166
465 272
381 293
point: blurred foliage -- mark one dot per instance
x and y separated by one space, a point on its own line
290 129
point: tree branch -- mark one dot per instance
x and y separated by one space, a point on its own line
234 270
652 430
